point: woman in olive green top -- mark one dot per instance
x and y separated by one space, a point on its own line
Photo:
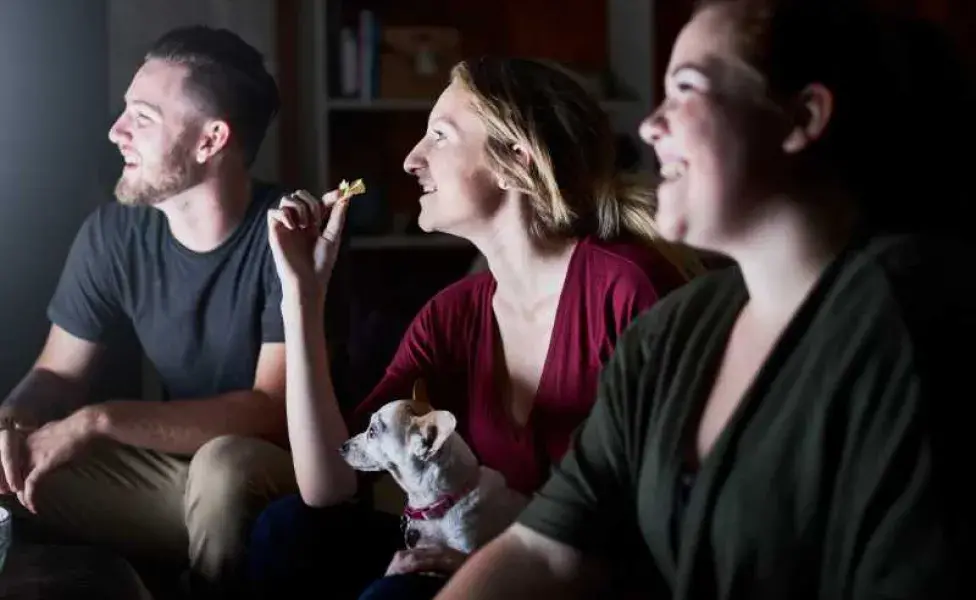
793 426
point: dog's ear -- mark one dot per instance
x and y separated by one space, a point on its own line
430 433
420 392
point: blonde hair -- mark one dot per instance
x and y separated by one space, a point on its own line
572 181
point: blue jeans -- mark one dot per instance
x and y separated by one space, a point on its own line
411 586
337 550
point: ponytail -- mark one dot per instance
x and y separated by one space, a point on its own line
626 205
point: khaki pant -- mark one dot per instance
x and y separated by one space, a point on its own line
150 505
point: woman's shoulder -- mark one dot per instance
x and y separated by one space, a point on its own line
627 260
915 282
461 299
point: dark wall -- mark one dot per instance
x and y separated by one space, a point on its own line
56 164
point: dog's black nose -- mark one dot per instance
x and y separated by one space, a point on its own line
344 448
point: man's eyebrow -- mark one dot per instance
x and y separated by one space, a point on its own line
152 107
690 66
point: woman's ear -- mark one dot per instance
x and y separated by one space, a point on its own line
521 155
813 110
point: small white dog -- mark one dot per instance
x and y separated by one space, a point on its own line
451 500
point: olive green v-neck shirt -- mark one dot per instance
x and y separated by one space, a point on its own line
836 476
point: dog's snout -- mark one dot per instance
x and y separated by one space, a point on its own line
344 448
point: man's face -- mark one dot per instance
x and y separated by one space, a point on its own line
157 134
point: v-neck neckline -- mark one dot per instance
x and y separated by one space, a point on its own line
711 469
517 430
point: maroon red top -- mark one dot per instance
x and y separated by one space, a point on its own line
451 344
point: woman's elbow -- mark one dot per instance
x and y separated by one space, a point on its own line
320 492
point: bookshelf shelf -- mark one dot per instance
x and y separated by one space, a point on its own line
379 104
407 242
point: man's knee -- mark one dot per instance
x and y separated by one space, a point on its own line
236 473
231 479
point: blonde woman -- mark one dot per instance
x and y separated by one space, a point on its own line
518 159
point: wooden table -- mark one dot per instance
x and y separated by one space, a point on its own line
35 571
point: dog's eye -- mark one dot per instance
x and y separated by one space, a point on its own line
371 432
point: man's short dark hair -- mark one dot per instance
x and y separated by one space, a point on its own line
227 79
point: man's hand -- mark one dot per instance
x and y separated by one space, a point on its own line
53 445
13 458
426 558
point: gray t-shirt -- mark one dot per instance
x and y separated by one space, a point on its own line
200 317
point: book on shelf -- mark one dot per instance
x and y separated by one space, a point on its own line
402 63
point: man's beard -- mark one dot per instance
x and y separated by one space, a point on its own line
177 173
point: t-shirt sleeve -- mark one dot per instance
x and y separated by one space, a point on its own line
272 326
587 503
87 301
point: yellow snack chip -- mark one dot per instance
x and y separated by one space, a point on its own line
347 190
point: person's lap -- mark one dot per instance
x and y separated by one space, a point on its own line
409 586
339 549
116 497
162 512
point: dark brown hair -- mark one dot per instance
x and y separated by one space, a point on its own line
903 97
227 79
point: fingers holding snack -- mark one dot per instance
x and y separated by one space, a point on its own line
305 233
313 210
301 210
334 205
332 231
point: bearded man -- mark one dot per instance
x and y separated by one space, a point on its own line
184 257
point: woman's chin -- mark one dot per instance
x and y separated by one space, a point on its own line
424 224
428 222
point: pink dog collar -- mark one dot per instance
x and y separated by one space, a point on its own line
439 508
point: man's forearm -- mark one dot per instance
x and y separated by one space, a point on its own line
182 426
43 396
